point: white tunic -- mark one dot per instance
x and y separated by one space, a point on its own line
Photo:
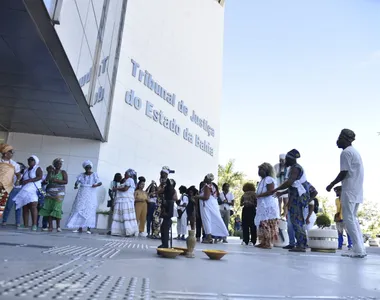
267 207
352 185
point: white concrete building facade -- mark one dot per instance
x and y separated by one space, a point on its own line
130 84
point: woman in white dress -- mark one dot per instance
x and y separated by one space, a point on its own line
267 211
83 212
212 221
124 215
27 198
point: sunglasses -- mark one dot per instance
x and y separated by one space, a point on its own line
11 152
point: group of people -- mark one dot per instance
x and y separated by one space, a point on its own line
39 195
296 197
134 209
282 191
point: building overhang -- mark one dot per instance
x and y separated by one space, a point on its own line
39 91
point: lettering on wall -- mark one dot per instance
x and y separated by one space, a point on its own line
159 116
85 79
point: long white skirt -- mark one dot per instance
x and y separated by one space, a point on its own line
83 212
28 194
182 224
124 221
211 219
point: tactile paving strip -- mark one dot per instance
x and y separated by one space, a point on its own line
172 295
75 280
84 251
117 244
75 286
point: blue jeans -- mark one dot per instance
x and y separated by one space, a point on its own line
291 233
9 206
44 221
149 217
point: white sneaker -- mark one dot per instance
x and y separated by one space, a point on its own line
45 229
250 244
242 243
142 234
59 229
88 232
76 231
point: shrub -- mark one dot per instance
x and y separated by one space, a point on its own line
323 221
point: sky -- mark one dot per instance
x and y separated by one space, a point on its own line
295 74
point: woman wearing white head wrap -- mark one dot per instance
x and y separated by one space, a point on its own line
124 215
83 212
211 219
27 198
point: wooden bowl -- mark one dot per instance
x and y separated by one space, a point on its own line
215 254
169 252
183 249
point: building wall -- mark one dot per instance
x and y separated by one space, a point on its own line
80 32
48 148
179 42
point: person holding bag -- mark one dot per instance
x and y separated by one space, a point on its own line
182 213
115 183
30 192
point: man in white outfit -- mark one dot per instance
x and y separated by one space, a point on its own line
351 175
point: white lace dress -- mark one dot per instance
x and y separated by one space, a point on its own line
83 212
28 192
267 207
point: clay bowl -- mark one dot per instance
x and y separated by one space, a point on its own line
169 252
215 254
183 249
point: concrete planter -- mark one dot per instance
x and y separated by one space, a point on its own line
284 240
323 240
102 221
373 243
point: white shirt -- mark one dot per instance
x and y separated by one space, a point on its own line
152 200
131 191
352 184
229 197
184 200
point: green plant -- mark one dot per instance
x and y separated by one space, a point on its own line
323 221
103 212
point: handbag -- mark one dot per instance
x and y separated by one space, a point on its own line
41 195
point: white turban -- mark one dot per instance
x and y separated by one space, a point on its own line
210 176
282 156
166 170
36 159
87 163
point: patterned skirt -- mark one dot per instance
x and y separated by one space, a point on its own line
268 231
124 221
3 200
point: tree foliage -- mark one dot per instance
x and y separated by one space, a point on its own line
369 217
236 180
227 174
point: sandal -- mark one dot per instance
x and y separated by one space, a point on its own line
207 242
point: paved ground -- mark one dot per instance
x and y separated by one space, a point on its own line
80 266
